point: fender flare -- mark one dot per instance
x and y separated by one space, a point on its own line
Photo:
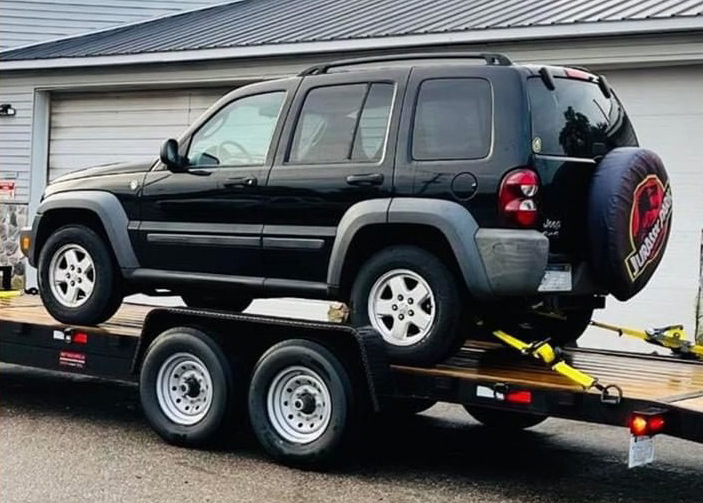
108 209
453 220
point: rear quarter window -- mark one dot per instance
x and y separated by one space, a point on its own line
569 120
453 119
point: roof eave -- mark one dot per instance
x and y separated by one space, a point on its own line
610 28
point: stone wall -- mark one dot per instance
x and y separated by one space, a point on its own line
12 218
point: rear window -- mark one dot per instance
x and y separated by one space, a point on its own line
452 120
571 119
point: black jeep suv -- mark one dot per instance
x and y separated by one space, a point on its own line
430 192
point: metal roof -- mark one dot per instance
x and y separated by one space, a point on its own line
251 23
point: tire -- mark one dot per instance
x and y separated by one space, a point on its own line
54 262
408 406
205 362
563 330
409 263
504 419
226 302
629 219
320 398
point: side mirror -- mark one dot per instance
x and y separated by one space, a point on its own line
170 156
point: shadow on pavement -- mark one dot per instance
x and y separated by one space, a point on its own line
555 464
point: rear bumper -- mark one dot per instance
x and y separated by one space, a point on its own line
514 260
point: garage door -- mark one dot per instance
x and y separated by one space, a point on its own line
89 129
666 108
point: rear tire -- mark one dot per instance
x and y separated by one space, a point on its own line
504 419
301 403
405 285
79 281
183 369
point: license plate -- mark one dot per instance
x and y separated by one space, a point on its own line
557 278
641 451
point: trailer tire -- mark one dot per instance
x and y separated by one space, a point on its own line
187 387
504 419
301 403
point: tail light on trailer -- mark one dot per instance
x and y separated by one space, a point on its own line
516 197
646 423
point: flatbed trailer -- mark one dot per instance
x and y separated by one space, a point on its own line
293 376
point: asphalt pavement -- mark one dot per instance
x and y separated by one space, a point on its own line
74 439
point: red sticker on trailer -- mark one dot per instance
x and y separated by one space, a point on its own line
72 359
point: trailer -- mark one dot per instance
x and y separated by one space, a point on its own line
309 387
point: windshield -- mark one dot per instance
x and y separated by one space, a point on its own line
576 115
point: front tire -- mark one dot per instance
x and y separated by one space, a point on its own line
187 388
78 279
412 299
301 403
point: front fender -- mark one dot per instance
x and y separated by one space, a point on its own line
108 209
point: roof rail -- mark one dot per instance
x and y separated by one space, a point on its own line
488 57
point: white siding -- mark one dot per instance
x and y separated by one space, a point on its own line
15 137
25 22
90 129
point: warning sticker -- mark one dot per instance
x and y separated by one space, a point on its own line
7 189
72 359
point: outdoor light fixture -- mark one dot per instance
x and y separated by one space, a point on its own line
6 110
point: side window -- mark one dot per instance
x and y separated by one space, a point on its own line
453 120
239 134
342 123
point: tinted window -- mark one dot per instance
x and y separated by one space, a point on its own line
453 120
342 123
570 119
239 134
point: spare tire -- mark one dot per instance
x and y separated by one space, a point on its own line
629 219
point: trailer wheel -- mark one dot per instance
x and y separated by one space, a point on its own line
187 387
300 403
504 419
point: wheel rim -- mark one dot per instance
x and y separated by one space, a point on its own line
72 275
401 307
299 405
184 389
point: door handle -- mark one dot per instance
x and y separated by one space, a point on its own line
365 179
241 181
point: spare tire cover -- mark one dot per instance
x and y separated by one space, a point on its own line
629 218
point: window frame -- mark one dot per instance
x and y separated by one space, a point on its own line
411 131
186 146
299 112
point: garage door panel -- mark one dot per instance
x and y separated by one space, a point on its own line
89 129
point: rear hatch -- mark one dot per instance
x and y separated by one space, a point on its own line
573 126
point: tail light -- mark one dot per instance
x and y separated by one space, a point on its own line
516 197
646 423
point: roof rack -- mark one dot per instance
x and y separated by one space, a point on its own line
490 59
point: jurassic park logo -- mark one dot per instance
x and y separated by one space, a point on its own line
649 223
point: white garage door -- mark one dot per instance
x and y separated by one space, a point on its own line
666 108
89 129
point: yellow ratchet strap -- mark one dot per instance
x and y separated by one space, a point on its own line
672 337
545 352
7 294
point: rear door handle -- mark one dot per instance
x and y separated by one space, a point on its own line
365 179
241 181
